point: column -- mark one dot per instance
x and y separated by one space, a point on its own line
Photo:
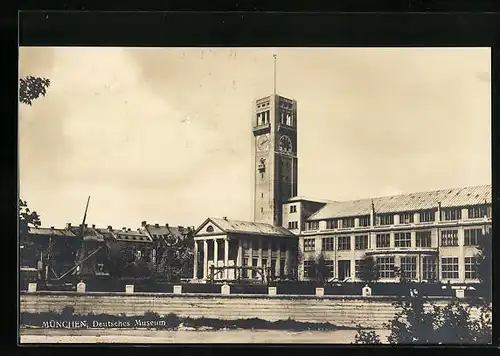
226 257
195 269
216 255
270 257
287 260
461 255
250 250
259 260
205 259
239 258
278 258
419 263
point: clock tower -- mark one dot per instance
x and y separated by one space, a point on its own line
275 142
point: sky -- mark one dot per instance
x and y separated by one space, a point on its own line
164 134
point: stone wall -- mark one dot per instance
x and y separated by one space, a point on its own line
342 311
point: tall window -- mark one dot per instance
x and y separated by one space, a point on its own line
327 244
476 212
409 267
309 244
471 264
331 224
471 237
449 267
361 242
312 225
386 219
406 218
423 239
383 240
451 214
364 220
330 265
402 239
427 216
348 222
308 268
429 266
385 267
449 238
344 243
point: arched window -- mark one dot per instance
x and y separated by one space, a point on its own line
210 229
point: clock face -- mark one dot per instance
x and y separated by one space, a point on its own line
263 142
285 144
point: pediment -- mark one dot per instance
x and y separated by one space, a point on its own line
209 228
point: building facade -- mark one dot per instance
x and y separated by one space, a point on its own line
233 243
427 236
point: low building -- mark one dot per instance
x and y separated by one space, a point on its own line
429 236
234 243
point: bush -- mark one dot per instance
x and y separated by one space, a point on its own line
439 325
366 337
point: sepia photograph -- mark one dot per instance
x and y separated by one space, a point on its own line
255 195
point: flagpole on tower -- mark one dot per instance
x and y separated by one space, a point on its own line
274 86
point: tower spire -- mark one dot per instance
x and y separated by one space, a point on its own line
274 86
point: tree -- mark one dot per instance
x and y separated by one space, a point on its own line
320 270
29 250
30 88
368 272
484 263
27 218
175 256
416 324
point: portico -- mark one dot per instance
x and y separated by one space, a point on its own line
233 243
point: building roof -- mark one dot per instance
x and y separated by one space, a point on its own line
131 236
164 231
314 200
457 197
51 231
247 227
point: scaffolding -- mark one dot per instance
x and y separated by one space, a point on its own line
263 273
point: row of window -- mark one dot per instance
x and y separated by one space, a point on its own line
447 214
408 267
293 225
401 240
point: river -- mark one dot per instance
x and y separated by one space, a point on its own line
29 336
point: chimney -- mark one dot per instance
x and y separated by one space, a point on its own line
166 225
144 223
180 227
93 226
128 229
157 225
85 225
52 227
225 218
124 228
68 225
110 227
